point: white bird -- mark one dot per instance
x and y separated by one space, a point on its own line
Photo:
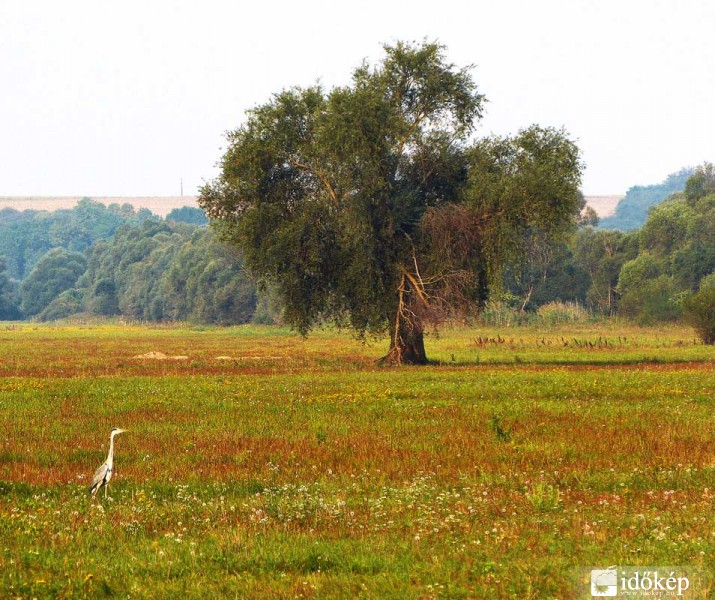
104 473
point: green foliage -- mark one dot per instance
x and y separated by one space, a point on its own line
103 297
56 272
269 307
506 313
632 211
601 268
677 252
68 303
526 189
168 271
502 312
27 236
330 187
206 283
545 497
601 254
364 204
695 258
701 183
134 266
708 281
666 227
653 301
503 435
547 274
699 311
9 298
124 274
188 214
589 217
636 272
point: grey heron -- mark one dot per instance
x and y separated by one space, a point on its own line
104 473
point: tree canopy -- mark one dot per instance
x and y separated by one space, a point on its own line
26 236
167 271
188 214
371 205
57 271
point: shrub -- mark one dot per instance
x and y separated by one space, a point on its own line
699 311
499 313
554 313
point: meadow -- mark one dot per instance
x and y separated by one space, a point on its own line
262 465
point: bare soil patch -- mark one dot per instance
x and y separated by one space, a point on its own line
159 356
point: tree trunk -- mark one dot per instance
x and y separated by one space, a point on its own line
407 346
526 300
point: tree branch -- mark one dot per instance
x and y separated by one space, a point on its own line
413 128
421 294
319 175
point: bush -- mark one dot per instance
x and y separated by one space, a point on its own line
499 313
554 313
699 311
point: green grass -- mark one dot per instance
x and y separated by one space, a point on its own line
300 469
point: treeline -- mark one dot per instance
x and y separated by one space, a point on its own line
26 236
164 271
111 261
115 261
647 274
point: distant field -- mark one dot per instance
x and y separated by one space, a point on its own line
261 465
159 205
603 205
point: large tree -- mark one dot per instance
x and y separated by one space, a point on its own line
368 205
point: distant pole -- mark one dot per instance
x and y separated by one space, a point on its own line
182 187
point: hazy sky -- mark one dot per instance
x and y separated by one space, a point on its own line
127 98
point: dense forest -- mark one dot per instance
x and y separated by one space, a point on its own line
111 261
117 262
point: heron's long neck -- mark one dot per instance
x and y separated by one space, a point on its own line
110 456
